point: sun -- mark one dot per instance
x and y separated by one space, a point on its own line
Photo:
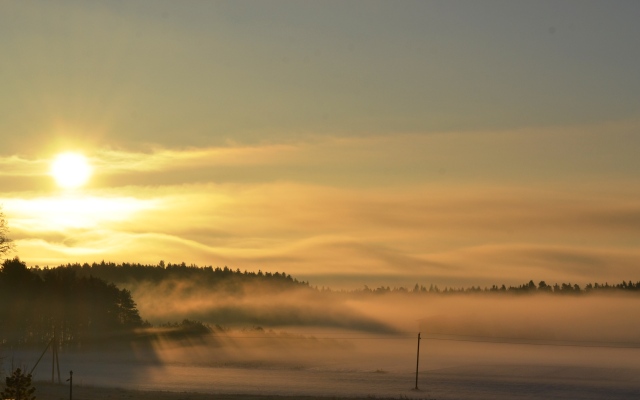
70 170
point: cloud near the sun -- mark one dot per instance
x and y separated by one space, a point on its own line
514 157
428 234
376 209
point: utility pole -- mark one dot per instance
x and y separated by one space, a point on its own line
417 362
53 356
55 361
58 365
41 355
70 385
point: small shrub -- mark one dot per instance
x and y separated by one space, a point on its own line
18 387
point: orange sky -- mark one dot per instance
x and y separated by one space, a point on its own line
344 143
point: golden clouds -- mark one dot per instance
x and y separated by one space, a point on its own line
443 234
327 153
20 166
360 207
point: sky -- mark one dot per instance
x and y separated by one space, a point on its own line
346 143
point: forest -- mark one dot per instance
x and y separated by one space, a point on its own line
36 307
214 278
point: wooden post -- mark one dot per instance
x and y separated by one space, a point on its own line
53 356
417 362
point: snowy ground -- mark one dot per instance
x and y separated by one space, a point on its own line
360 367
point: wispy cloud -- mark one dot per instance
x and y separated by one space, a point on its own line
511 157
22 167
441 233
162 159
436 207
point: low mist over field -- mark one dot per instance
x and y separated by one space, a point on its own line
230 300
365 343
253 305
183 328
599 317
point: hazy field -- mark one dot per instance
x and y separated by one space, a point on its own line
476 347
377 367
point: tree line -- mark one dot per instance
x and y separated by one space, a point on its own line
214 278
531 287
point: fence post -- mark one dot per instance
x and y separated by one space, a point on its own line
417 362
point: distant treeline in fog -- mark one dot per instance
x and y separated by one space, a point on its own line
531 287
38 305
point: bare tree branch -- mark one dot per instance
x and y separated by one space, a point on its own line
6 244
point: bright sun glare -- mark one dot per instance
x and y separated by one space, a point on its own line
70 170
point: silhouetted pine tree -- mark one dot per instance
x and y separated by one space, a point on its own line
18 387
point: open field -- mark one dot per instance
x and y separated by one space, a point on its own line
456 383
495 348
371 368
47 391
